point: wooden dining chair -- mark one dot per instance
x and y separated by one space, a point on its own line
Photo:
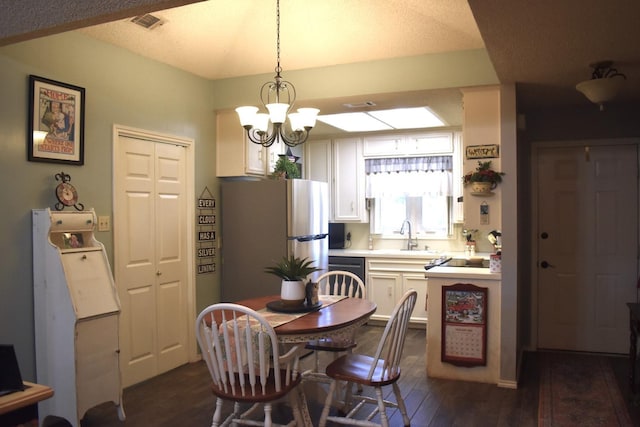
343 283
378 371
241 351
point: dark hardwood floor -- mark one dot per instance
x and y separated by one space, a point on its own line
181 397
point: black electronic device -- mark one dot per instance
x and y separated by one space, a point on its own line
336 235
10 377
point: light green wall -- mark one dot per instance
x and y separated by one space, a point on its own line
121 88
126 89
436 71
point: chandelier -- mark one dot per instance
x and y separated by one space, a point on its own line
277 97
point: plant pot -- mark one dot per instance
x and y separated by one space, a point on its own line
482 187
292 293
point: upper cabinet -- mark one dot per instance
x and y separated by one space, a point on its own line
340 163
348 186
400 145
236 155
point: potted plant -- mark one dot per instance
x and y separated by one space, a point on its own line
285 168
483 179
293 271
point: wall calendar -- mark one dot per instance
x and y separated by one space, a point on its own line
464 325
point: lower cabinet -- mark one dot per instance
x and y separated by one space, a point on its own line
387 281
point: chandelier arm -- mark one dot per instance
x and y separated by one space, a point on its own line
294 138
261 138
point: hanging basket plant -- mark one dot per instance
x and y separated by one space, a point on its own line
483 179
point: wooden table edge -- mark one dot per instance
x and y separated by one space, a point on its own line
34 393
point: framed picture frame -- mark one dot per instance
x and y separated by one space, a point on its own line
464 325
56 122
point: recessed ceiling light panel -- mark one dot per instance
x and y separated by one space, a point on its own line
354 122
397 118
408 118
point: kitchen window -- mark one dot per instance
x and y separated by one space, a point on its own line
415 188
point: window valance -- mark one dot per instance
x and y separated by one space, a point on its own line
409 164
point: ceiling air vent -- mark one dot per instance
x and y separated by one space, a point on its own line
147 21
360 104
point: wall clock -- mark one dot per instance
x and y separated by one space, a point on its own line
66 193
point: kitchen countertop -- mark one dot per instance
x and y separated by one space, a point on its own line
401 253
444 271
463 273
387 253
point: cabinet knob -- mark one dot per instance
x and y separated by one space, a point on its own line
84 257
158 273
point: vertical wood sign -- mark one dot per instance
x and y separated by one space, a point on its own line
207 227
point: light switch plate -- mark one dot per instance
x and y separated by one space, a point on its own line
104 223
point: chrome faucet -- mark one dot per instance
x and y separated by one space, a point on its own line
410 244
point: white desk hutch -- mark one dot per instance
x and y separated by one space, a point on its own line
76 314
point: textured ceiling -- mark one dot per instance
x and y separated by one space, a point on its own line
544 47
230 38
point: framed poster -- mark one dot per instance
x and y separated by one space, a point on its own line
464 325
56 122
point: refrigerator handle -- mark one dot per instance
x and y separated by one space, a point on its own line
310 238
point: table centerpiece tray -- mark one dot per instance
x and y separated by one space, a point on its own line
279 306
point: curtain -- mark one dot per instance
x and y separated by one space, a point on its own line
409 176
409 164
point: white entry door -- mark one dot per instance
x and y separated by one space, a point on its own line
152 233
587 242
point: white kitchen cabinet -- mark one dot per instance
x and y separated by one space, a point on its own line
339 163
384 146
317 165
458 205
387 281
349 204
429 143
273 154
411 144
418 282
382 289
236 155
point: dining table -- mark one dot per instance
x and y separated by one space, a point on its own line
336 316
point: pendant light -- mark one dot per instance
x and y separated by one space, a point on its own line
604 85
277 97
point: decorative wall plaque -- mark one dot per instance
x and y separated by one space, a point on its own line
482 151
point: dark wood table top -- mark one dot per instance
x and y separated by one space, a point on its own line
339 315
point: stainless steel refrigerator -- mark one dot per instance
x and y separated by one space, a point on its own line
262 221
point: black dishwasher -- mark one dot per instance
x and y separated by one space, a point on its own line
352 264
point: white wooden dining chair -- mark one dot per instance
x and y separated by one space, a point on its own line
343 283
378 371
241 351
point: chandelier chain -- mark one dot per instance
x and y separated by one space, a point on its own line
265 134
278 68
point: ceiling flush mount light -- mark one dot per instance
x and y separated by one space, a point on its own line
277 97
604 85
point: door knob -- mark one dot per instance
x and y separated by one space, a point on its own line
545 264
